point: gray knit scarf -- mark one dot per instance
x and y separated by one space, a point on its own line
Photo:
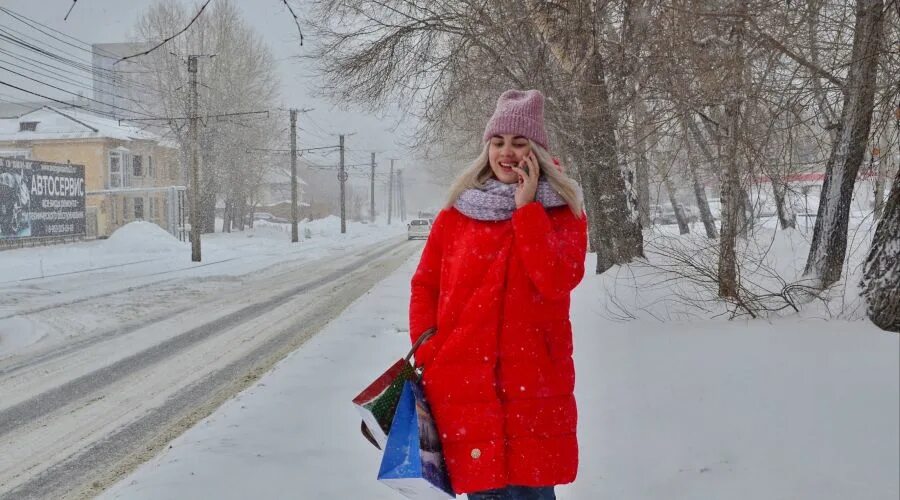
497 201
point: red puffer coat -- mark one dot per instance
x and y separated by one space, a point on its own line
498 373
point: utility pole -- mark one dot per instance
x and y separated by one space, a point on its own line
342 176
295 237
372 192
195 167
391 192
400 198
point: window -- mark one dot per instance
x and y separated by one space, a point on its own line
115 170
151 213
137 164
27 126
150 172
138 208
120 168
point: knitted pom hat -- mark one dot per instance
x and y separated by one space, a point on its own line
520 113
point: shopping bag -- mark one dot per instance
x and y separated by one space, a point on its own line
377 402
413 463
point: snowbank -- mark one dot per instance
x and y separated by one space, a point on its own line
142 237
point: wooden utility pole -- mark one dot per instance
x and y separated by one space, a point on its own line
401 201
295 236
342 177
195 167
372 191
391 192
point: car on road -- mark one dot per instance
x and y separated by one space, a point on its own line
265 216
665 214
418 228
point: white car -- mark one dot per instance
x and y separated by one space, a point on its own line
418 228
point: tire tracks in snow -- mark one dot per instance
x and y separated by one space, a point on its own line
119 447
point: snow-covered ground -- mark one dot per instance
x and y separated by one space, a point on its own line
140 254
673 404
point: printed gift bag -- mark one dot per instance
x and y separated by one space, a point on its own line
377 402
412 462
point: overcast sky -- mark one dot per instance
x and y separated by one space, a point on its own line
110 21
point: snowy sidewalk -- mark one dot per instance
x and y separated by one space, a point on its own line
705 410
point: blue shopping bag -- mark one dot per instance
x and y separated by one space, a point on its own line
412 462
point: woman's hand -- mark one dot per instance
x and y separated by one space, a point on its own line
529 172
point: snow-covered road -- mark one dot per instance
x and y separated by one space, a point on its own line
120 370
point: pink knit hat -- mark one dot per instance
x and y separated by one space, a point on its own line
521 113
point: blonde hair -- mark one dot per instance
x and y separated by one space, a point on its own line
479 171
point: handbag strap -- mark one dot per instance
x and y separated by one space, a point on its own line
427 334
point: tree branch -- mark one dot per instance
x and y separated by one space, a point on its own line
167 40
814 68
296 20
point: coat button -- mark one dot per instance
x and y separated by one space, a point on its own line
476 453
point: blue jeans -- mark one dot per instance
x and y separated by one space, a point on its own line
515 493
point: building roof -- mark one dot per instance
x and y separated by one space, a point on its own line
54 123
276 175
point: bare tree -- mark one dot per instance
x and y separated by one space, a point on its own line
239 78
448 61
829 244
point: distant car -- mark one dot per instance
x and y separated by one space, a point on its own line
690 213
269 218
418 228
660 215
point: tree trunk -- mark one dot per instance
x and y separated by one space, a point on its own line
882 269
226 217
615 230
882 175
642 167
747 216
786 216
709 222
242 214
829 243
732 205
683 227
732 199
614 226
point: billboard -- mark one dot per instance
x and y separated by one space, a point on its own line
40 199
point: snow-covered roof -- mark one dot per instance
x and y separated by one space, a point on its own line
53 123
278 175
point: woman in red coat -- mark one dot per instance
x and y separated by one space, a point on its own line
494 279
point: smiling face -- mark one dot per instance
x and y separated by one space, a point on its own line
504 151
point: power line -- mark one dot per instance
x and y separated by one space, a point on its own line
169 118
95 72
71 82
27 20
72 93
288 150
76 61
108 115
72 78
